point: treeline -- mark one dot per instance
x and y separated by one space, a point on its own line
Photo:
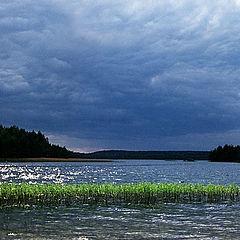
227 153
164 155
17 143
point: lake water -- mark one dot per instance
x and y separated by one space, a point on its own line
162 221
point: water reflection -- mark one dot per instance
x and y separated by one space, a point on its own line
121 172
163 221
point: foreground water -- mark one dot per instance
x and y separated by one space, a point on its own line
163 221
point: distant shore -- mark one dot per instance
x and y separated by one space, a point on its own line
53 160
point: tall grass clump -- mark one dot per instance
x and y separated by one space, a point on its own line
144 193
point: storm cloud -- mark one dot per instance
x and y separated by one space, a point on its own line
122 74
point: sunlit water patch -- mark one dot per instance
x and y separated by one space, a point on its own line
85 222
123 171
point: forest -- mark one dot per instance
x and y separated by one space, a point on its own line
17 143
227 153
164 155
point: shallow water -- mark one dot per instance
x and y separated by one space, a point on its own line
162 221
165 221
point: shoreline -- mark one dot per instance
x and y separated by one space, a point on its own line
43 159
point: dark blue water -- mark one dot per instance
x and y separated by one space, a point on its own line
162 221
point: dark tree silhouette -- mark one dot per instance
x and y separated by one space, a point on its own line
15 143
228 153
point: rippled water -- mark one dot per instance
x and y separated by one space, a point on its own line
163 221
122 172
166 221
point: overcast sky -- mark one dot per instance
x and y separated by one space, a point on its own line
136 75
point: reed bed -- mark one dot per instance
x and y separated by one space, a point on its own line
142 193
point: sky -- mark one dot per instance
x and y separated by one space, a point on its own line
133 75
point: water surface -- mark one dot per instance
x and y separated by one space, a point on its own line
162 221
121 171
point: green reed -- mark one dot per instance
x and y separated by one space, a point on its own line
143 193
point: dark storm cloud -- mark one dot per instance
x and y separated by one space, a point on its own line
120 74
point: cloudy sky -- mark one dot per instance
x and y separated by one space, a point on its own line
136 75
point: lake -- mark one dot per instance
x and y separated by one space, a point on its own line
125 221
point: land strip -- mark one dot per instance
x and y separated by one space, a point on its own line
42 159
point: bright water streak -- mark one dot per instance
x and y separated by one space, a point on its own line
122 172
163 221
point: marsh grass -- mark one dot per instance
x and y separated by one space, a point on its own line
142 193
